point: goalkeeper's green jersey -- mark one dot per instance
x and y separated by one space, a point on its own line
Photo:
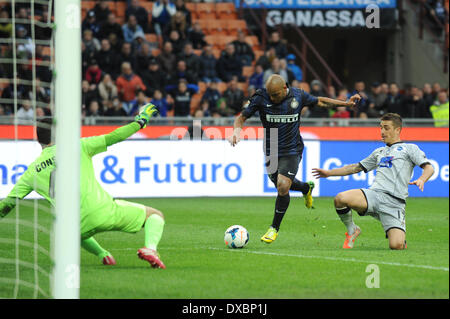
40 177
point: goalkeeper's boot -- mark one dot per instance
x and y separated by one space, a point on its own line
270 235
308 196
151 256
109 260
350 239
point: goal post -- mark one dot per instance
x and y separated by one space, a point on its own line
66 241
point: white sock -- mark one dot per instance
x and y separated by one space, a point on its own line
347 219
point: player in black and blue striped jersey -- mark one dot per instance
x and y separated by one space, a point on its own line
279 108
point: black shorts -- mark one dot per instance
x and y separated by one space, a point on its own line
286 166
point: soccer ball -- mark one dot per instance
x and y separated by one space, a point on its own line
236 236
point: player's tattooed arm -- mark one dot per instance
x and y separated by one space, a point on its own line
341 171
327 102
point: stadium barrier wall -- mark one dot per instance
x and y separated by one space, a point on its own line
152 168
336 133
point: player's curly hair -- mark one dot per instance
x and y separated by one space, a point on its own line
394 118
44 131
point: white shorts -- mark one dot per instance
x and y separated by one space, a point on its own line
390 211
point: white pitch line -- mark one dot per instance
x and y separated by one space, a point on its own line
310 257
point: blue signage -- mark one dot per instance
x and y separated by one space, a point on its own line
315 4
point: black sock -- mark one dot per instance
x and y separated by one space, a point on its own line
281 205
342 211
300 186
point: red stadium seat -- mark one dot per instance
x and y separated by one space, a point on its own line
226 10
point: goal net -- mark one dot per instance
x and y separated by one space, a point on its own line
30 238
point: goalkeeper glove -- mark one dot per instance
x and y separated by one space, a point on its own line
145 113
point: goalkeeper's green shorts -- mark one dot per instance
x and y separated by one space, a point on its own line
125 216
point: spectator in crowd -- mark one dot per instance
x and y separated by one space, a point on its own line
127 55
5 25
94 109
181 72
89 92
181 7
266 59
91 44
2 110
222 109
139 40
143 57
114 108
192 60
110 26
341 111
234 96
139 12
108 59
257 78
284 67
43 94
131 28
202 110
127 85
43 30
298 74
276 43
440 110
25 47
208 68
376 101
161 103
211 96
177 42
116 43
162 13
178 23
22 14
415 106
428 96
167 59
93 73
317 89
229 64
140 100
90 23
275 69
101 10
107 89
182 96
196 36
395 101
153 78
436 90
25 112
363 104
243 50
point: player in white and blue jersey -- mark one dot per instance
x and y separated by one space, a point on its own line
279 108
385 198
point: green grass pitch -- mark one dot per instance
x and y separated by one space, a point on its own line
306 260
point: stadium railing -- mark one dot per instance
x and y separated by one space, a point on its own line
228 121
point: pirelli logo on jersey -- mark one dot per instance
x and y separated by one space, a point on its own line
289 118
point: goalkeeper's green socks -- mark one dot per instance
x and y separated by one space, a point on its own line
154 226
92 246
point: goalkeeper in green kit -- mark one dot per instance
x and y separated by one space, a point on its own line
99 211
